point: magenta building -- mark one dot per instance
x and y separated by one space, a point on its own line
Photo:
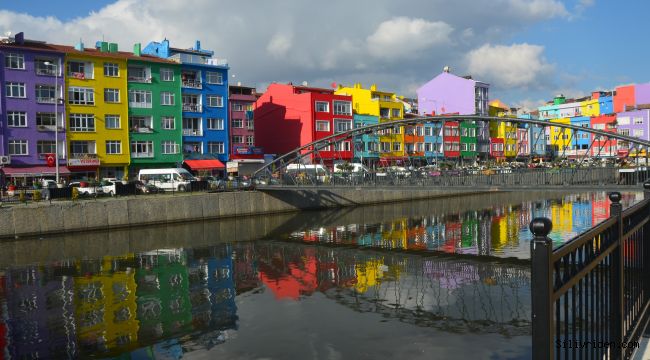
32 85
242 125
635 123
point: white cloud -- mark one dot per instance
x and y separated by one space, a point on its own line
401 37
538 8
514 66
279 44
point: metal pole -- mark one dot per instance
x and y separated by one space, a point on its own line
617 311
541 249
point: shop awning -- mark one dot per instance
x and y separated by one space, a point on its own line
205 164
34 171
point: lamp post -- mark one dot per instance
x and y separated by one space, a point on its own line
57 68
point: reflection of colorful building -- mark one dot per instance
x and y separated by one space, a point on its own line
581 215
562 218
599 208
453 231
369 274
435 231
105 306
469 233
163 294
290 277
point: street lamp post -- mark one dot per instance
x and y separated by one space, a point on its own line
57 68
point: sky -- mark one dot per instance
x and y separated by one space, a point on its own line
527 50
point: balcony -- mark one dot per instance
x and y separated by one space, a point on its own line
197 59
48 128
139 79
46 100
192 107
194 84
142 154
46 71
141 130
83 159
192 132
78 75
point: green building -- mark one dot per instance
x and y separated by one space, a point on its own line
468 140
155 112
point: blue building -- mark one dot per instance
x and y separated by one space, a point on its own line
366 146
606 104
433 142
204 90
581 139
537 140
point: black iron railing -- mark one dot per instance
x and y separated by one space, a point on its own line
591 296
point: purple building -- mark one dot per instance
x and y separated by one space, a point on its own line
451 94
642 94
635 123
30 75
242 134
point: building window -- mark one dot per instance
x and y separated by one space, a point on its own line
82 122
111 70
637 132
15 90
463 147
342 146
168 123
397 146
142 149
45 94
112 95
215 147
237 123
237 139
322 125
166 75
140 99
167 98
638 120
80 70
250 140
250 124
395 113
427 131
342 125
46 67
472 147
18 147
113 147
112 121
139 74
81 96
342 108
45 147
141 124
215 123
45 119
237 107
385 146
16 119
213 77
428 147
170 147
80 148
322 106
15 61
215 100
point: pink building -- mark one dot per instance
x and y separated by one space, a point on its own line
242 125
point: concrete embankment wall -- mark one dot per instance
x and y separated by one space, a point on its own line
103 214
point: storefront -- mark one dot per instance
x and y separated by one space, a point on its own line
207 167
26 176
84 168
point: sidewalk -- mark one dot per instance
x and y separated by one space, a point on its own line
644 350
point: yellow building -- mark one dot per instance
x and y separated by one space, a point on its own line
590 107
560 138
505 130
368 274
97 111
387 107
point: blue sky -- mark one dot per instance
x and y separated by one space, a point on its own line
528 50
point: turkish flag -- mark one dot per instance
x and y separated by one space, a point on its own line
51 159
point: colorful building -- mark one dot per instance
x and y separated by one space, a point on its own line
451 139
560 138
635 123
433 142
155 112
451 94
387 107
624 96
241 120
204 93
580 140
32 80
603 147
289 116
366 146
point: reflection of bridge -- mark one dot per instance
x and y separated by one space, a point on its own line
311 153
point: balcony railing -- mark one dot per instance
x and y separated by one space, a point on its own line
141 129
46 71
141 154
78 75
83 156
192 107
194 84
45 100
192 132
48 128
139 79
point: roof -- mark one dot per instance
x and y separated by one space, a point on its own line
42 46
192 51
35 171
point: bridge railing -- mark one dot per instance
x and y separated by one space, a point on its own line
591 296
597 176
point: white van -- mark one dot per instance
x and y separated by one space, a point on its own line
167 179
305 173
356 168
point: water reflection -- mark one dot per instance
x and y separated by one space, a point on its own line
501 230
171 302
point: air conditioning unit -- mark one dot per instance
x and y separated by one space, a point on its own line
5 160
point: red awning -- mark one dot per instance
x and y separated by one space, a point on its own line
35 171
204 164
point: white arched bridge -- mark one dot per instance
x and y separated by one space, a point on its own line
590 163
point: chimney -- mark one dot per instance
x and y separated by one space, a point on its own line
19 38
137 49
102 46
79 46
112 47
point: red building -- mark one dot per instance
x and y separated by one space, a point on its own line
523 143
603 146
242 101
496 148
624 96
451 139
289 116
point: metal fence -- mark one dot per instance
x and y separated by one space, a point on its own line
510 177
591 296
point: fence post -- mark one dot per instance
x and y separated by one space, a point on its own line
618 284
646 190
541 249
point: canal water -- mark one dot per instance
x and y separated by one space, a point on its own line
437 279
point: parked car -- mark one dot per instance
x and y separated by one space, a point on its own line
108 186
146 188
86 189
215 183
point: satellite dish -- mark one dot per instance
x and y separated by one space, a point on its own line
446 69
304 83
